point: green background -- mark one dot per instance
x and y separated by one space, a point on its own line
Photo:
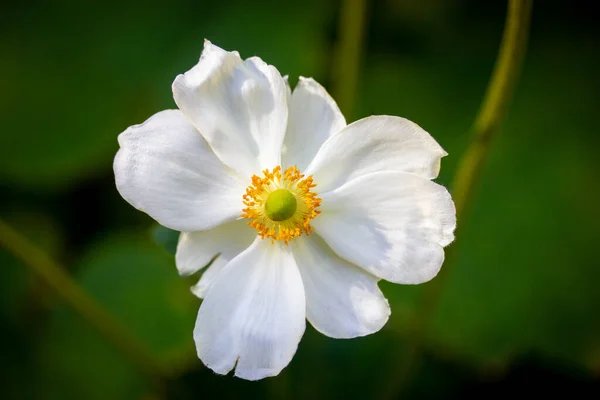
519 310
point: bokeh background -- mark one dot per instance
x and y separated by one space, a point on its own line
518 312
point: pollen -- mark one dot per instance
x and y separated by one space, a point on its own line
280 205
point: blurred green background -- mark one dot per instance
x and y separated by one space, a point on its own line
519 310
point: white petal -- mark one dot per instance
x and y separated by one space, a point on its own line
196 249
240 107
313 118
167 170
373 144
288 90
342 300
392 224
254 313
201 288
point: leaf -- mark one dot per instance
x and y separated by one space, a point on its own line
165 237
138 283
22 298
104 73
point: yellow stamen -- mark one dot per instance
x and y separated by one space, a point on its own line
271 210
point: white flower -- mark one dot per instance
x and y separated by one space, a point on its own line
307 213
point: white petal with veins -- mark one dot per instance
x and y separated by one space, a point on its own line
313 118
342 300
196 249
372 144
240 107
392 224
167 170
254 314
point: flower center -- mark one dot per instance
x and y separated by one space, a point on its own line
281 206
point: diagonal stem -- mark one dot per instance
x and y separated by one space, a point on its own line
77 298
493 109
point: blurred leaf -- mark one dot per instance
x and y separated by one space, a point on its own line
62 124
294 45
341 368
165 237
21 301
16 279
104 71
13 285
138 283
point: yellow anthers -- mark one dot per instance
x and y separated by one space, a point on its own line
280 207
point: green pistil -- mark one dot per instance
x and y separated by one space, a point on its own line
281 205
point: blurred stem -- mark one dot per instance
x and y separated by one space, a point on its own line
348 54
493 108
469 172
66 288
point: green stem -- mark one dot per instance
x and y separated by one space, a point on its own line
469 172
493 108
348 54
66 288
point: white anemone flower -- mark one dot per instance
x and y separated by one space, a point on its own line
305 212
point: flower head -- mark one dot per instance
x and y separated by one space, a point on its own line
281 206
306 213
